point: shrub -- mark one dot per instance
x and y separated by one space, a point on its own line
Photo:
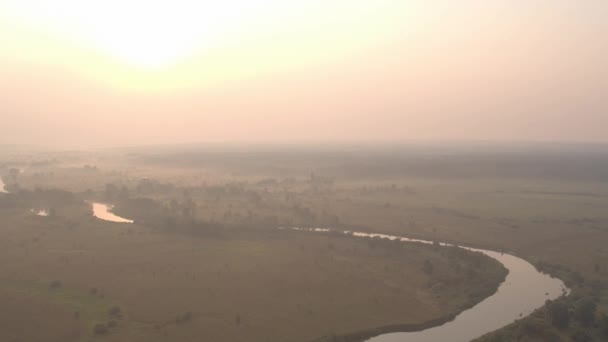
580 336
584 311
604 326
115 311
427 267
559 314
100 329
183 318
55 284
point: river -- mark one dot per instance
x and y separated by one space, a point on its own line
102 211
524 290
2 185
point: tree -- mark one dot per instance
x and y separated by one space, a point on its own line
604 326
584 311
124 193
580 336
111 191
183 318
115 311
100 329
55 284
559 314
428 267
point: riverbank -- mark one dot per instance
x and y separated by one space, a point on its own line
282 286
524 291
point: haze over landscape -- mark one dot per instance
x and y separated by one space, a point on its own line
82 73
303 171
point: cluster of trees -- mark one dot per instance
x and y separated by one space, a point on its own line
583 311
191 209
114 313
183 318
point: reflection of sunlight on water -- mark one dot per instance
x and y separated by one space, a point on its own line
2 185
41 212
102 211
524 290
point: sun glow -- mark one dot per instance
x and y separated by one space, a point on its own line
160 33
168 45
143 33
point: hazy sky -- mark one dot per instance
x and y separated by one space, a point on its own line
112 72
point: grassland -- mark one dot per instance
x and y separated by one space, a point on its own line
63 275
547 206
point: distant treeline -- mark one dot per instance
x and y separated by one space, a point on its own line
560 162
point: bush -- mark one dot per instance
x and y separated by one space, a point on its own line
183 318
115 311
427 267
559 314
584 311
604 326
55 284
100 329
580 336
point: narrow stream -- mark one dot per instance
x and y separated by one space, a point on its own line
524 290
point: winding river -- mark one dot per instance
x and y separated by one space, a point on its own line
102 211
524 290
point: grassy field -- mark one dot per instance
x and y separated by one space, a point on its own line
63 276
548 207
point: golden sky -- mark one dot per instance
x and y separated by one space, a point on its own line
112 72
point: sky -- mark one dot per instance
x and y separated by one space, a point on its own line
108 73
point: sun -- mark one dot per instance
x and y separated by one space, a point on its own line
153 34
192 41
143 33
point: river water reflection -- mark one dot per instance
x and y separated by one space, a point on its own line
2 186
102 211
524 290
